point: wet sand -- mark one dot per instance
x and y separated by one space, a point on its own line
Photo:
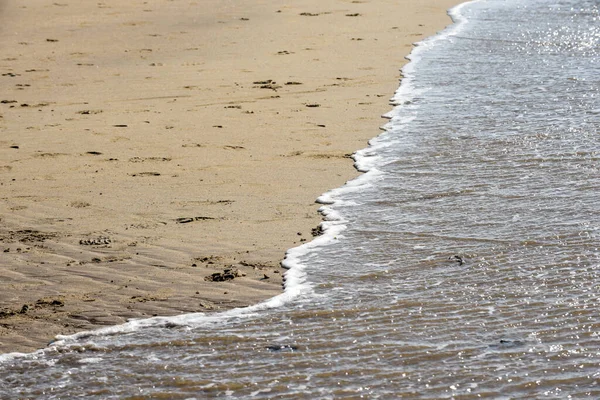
146 146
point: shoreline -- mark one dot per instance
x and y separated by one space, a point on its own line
146 148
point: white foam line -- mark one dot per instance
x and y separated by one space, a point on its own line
406 92
369 158
334 224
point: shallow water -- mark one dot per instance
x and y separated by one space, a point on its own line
464 264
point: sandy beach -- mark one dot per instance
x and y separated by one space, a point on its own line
147 145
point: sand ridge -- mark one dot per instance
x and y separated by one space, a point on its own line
146 145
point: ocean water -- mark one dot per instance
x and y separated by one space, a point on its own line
463 264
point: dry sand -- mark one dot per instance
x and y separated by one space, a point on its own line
145 145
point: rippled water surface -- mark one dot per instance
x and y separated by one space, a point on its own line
469 264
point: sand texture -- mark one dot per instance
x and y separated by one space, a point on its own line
145 145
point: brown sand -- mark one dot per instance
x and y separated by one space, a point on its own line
145 145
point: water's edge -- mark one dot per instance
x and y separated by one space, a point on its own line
333 225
